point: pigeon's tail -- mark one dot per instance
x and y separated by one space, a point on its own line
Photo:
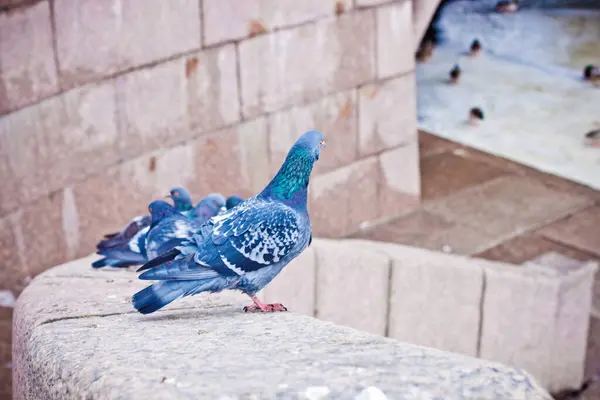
160 294
178 278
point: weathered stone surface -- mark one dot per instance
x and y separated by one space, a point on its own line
43 241
395 48
553 305
341 200
228 157
366 3
580 230
388 114
27 66
432 293
335 116
399 181
430 144
12 268
99 38
430 231
59 140
172 101
466 172
342 273
275 71
226 20
507 206
102 347
295 286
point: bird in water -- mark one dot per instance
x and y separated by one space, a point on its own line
592 73
592 138
455 74
507 6
475 116
244 248
475 48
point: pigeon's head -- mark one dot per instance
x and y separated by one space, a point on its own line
182 198
159 209
311 142
233 201
214 202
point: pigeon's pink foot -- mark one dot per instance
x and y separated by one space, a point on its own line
262 307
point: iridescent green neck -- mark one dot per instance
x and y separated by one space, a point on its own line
291 182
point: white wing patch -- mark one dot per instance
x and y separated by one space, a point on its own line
182 230
232 266
133 242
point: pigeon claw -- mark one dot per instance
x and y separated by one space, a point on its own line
265 308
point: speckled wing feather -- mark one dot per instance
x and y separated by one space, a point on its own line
252 236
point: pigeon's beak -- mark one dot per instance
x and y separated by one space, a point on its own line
169 196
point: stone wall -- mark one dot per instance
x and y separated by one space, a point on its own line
106 104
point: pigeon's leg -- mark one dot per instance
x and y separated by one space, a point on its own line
262 307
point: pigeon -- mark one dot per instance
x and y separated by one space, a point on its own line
181 199
206 208
233 201
244 248
455 74
475 48
167 228
134 227
475 115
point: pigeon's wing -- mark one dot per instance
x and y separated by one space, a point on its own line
170 232
132 228
132 251
252 236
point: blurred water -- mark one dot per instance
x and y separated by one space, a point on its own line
527 81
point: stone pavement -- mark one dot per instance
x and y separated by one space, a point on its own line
485 206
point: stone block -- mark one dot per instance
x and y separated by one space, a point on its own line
388 114
59 140
13 270
99 38
429 231
399 181
153 110
42 235
580 230
553 305
433 293
27 66
295 286
352 286
507 206
335 116
395 43
226 20
173 101
233 160
341 200
280 69
466 172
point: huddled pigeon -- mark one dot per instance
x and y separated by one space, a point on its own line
233 201
139 241
244 248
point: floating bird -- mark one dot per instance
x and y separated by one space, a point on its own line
233 201
425 51
181 199
475 115
475 48
591 73
593 138
244 248
507 6
455 74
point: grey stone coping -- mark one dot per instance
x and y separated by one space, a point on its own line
76 336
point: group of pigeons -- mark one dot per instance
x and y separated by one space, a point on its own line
220 243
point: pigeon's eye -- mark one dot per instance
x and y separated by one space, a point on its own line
321 143
176 193
216 203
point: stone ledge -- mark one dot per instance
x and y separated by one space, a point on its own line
76 336
533 317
